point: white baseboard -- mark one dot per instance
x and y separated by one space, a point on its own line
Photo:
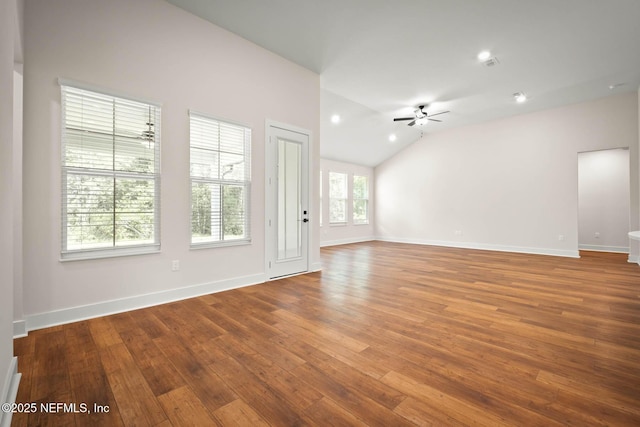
9 391
634 258
485 247
75 314
600 248
346 241
19 328
316 266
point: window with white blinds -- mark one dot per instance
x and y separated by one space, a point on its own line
360 199
337 198
110 175
220 181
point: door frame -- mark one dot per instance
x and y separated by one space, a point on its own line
271 201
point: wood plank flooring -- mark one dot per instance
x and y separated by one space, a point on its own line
387 335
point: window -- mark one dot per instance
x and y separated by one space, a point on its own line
110 175
360 199
220 181
337 198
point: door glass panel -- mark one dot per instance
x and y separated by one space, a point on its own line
289 200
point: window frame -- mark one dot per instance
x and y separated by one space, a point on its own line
245 184
66 88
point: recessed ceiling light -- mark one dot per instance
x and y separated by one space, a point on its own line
392 137
520 97
616 85
335 119
484 55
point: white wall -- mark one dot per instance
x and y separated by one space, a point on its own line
634 173
349 232
9 39
19 325
603 200
6 177
151 50
509 184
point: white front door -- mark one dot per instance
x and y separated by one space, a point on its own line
287 204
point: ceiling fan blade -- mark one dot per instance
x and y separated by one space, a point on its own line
412 123
441 112
398 119
434 120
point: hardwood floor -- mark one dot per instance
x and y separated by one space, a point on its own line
387 335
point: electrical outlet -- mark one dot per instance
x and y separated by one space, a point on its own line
457 233
596 235
175 265
560 236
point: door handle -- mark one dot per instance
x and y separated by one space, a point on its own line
305 220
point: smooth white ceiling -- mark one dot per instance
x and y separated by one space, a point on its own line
378 59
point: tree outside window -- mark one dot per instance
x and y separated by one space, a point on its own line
110 173
220 181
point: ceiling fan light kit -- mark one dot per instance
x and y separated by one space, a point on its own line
520 97
484 55
420 117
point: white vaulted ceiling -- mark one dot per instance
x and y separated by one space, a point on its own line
377 59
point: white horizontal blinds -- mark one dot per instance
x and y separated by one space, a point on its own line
337 198
110 172
360 199
220 181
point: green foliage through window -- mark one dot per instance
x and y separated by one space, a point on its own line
220 181
110 171
360 199
337 198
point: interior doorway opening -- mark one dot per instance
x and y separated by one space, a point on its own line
603 200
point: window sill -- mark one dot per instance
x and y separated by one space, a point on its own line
338 224
211 245
108 253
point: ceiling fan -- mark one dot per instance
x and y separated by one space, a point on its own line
421 117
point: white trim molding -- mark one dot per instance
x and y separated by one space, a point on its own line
19 328
485 247
315 267
600 248
90 311
10 391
